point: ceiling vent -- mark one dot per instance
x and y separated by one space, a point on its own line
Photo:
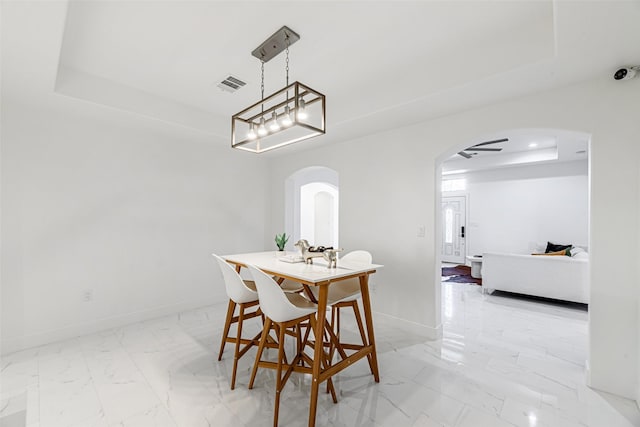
231 84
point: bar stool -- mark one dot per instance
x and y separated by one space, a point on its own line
284 311
345 294
241 293
289 285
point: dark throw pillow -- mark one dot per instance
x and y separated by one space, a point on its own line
552 247
566 252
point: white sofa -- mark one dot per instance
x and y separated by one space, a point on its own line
558 277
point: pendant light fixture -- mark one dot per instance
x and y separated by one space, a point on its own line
291 114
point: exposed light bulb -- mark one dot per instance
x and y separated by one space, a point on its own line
262 131
286 119
302 112
252 132
533 145
274 126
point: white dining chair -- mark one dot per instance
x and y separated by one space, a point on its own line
289 285
243 294
347 294
285 311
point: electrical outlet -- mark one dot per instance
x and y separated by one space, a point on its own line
87 295
421 231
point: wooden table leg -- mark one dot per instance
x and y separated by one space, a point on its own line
318 353
366 303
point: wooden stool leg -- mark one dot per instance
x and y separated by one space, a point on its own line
337 329
335 320
299 342
335 314
356 311
236 355
326 362
366 307
279 384
263 341
227 324
335 326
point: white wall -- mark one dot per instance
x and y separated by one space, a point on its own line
387 194
513 211
131 215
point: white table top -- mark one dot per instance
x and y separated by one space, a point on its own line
311 273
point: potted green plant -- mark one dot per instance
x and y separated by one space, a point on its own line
281 240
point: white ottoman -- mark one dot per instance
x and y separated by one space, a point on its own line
476 266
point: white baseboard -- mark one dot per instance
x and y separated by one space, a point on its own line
428 332
11 345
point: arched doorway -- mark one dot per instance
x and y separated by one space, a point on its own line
515 202
312 206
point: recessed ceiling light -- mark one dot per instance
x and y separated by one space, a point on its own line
533 145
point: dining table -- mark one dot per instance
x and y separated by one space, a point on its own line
321 275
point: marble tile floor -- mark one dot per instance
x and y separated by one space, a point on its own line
502 361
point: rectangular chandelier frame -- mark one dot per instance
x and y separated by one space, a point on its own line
306 108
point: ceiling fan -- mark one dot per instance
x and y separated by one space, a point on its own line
481 147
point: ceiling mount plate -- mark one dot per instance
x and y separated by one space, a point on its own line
275 44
